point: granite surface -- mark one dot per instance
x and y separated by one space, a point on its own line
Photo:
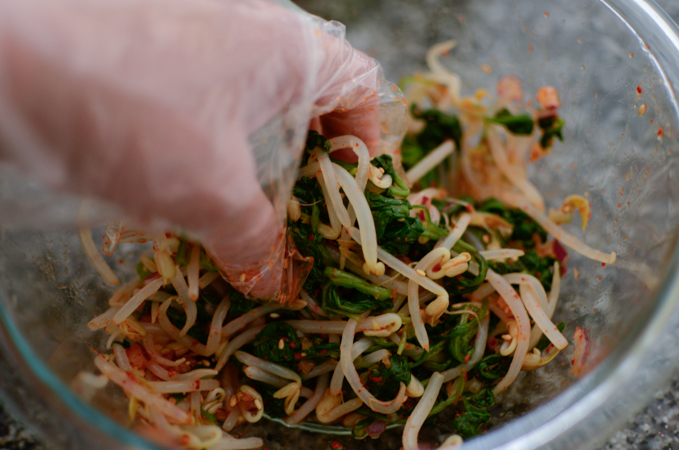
655 428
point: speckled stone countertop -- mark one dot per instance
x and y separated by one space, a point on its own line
654 428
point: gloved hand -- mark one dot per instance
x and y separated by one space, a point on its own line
181 111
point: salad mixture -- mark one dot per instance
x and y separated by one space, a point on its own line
432 278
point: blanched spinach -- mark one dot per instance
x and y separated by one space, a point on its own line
491 368
396 230
384 382
471 422
352 304
517 124
316 140
348 280
524 228
551 128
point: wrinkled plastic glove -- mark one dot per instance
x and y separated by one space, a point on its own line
191 112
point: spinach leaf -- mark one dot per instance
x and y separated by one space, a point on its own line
492 368
431 230
321 352
351 168
471 422
459 388
411 152
266 344
551 128
310 194
517 124
396 230
439 126
206 262
483 399
239 305
524 228
315 139
461 335
350 305
209 417
384 382
433 351
345 279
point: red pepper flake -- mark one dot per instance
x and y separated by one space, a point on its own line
466 358
374 379
594 310
298 356
311 238
660 132
492 342
603 264
336 446
639 89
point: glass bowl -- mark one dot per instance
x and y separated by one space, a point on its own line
607 60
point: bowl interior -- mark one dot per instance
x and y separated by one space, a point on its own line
622 161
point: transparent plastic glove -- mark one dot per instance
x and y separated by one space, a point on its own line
188 113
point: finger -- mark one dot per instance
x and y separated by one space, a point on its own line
362 121
349 83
